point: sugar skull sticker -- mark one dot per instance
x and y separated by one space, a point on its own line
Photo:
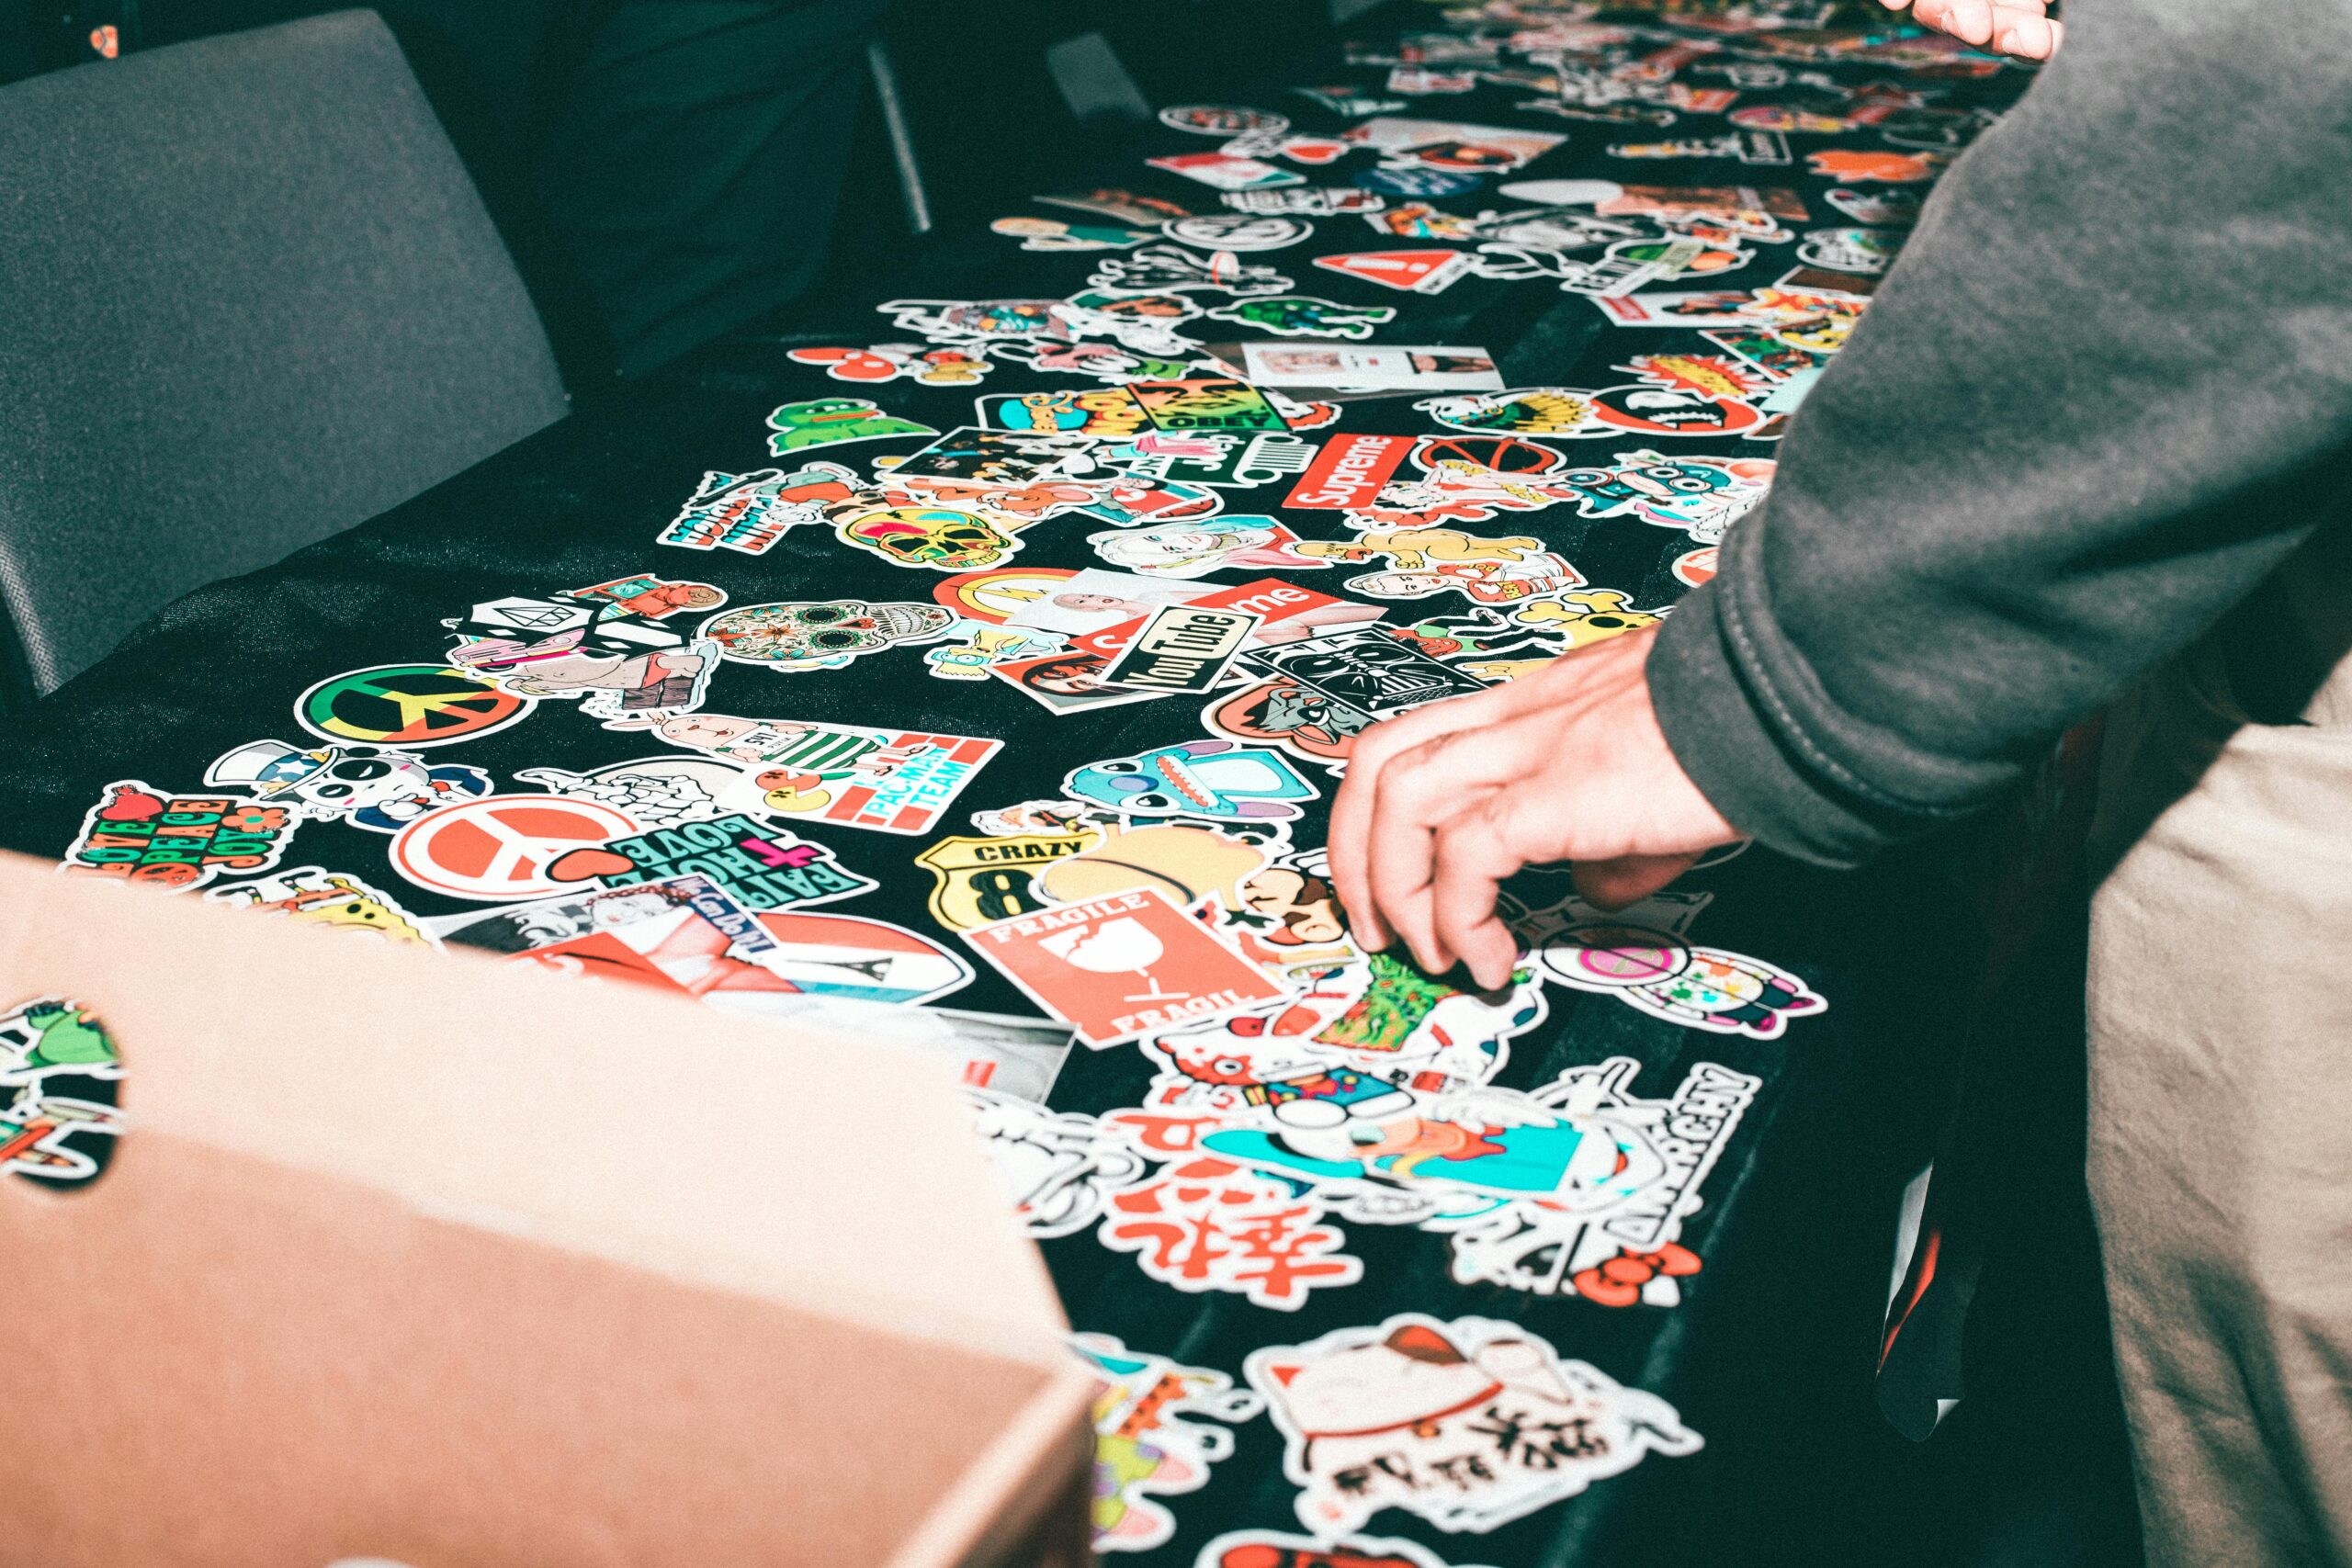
821 635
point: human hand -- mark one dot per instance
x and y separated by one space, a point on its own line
1440 804
2020 27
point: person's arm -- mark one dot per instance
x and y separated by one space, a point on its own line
2107 388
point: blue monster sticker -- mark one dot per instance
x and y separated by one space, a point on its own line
1214 779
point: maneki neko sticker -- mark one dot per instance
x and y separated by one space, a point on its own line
1154 1436
1467 1425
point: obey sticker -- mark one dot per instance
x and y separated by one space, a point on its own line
502 848
1124 967
1349 470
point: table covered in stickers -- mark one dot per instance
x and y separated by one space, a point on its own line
996 654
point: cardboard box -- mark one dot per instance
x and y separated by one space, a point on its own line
435 1259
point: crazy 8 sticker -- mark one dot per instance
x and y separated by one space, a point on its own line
156 839
1153 1438
1468 1424
1272 1549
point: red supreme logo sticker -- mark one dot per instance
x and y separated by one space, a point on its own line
1349 470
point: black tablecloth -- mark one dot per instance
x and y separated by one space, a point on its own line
1764 1351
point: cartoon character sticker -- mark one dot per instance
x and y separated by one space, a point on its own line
1214 779
1058 1169
1300 315
376 787
1641 956
1467 1423
311 895
833 421
750 513
895 361
1152 1438
62 1121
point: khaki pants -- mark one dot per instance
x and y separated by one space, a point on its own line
2221 1088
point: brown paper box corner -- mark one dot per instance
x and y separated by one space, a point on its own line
441 1260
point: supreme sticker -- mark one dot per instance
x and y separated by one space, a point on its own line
1349 470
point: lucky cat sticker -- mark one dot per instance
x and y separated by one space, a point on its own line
1467 1425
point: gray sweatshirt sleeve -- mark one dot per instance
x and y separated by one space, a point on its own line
2106 389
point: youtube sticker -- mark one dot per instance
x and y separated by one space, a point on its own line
1349 470
1416 272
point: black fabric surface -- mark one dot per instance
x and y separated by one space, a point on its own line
1768 1354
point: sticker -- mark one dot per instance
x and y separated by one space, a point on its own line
989 457
1855 167
1152 1438
1414 272
834 422
1467 1425
1187 861
1137 501
896 361
499 849
376 787
409 705
763 866
887 780
1299 720
625 688
978 881
653 792
177 842
314 895
1207 1225
1068 681
1346 101
1119 205
1696 567
1182 648
1614 1240
1214 779
1223 171
1702 496
1238 232
1306 201
1107 411
1531 411
1350 471
1207 403
824 634
996 597
1059 1169
61 1123
1865 251
1370 670
1222 120
1528 575
1888 208
1272 1548
1298 315
1640 957
942 538
1660 410
1346 367
1291 613
1747 146
1197 548
1226 458
1055 234
1685 308
1119 967
749 513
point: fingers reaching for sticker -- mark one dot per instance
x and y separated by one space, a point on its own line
2020 27
1442 805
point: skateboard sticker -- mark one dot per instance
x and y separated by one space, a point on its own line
177 842
1300 720
1348 471
1467 1423
1371 669
988 456
1121 967
1207 403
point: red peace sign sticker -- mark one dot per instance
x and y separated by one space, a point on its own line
1500 453
503 848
